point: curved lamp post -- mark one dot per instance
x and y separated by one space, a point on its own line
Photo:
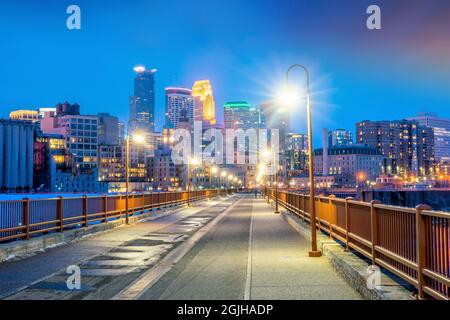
137 138
190 162
314 252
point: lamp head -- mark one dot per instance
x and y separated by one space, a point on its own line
288 96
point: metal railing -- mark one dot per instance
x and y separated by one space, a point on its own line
414 244
21 219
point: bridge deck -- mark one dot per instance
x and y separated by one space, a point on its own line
247 252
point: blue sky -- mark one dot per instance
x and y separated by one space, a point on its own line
242 47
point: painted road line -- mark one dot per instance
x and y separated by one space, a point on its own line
248 280
148 279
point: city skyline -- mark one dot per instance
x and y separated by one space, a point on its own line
356 76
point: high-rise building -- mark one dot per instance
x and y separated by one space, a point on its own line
296 153
121 133
80 132
24 115
407 147
204 105
441 129
111 165
179 105
142 103
16 155
240 115
108 129
340 138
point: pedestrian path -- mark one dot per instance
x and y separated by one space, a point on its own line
107 260
280 265
251 254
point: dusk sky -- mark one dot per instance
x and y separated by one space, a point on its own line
242 47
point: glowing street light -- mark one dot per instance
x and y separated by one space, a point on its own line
212 171
289 97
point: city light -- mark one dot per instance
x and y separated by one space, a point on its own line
138 138
139 69
288 96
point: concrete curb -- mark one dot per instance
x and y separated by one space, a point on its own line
22 249
352 267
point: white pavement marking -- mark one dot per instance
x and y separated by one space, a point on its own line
148 279
248 280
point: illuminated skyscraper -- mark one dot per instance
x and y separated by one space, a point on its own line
142 103
240 115
179 106
204 105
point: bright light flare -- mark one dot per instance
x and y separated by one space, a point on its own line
194 161
138 138
288 97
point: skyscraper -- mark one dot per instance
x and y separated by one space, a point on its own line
240 115
142 103
296 153
179 106
407 147
204 105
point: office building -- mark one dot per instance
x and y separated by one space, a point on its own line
142 103
347 163
296 154
111 164
441 130
406 146
179 105
108 129
204 105
80 132
241 115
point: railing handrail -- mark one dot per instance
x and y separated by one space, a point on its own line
21 218
413 243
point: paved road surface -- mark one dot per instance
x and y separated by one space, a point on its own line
246 253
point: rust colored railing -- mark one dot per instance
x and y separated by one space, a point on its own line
414 244
21 219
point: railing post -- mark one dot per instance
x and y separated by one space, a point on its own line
104 208
373 228
347 221
26 217
330 212
59 213
421 247
304 207
85 217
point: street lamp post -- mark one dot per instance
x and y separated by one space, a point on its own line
189 163
275 167
314 252
138 139
127 151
